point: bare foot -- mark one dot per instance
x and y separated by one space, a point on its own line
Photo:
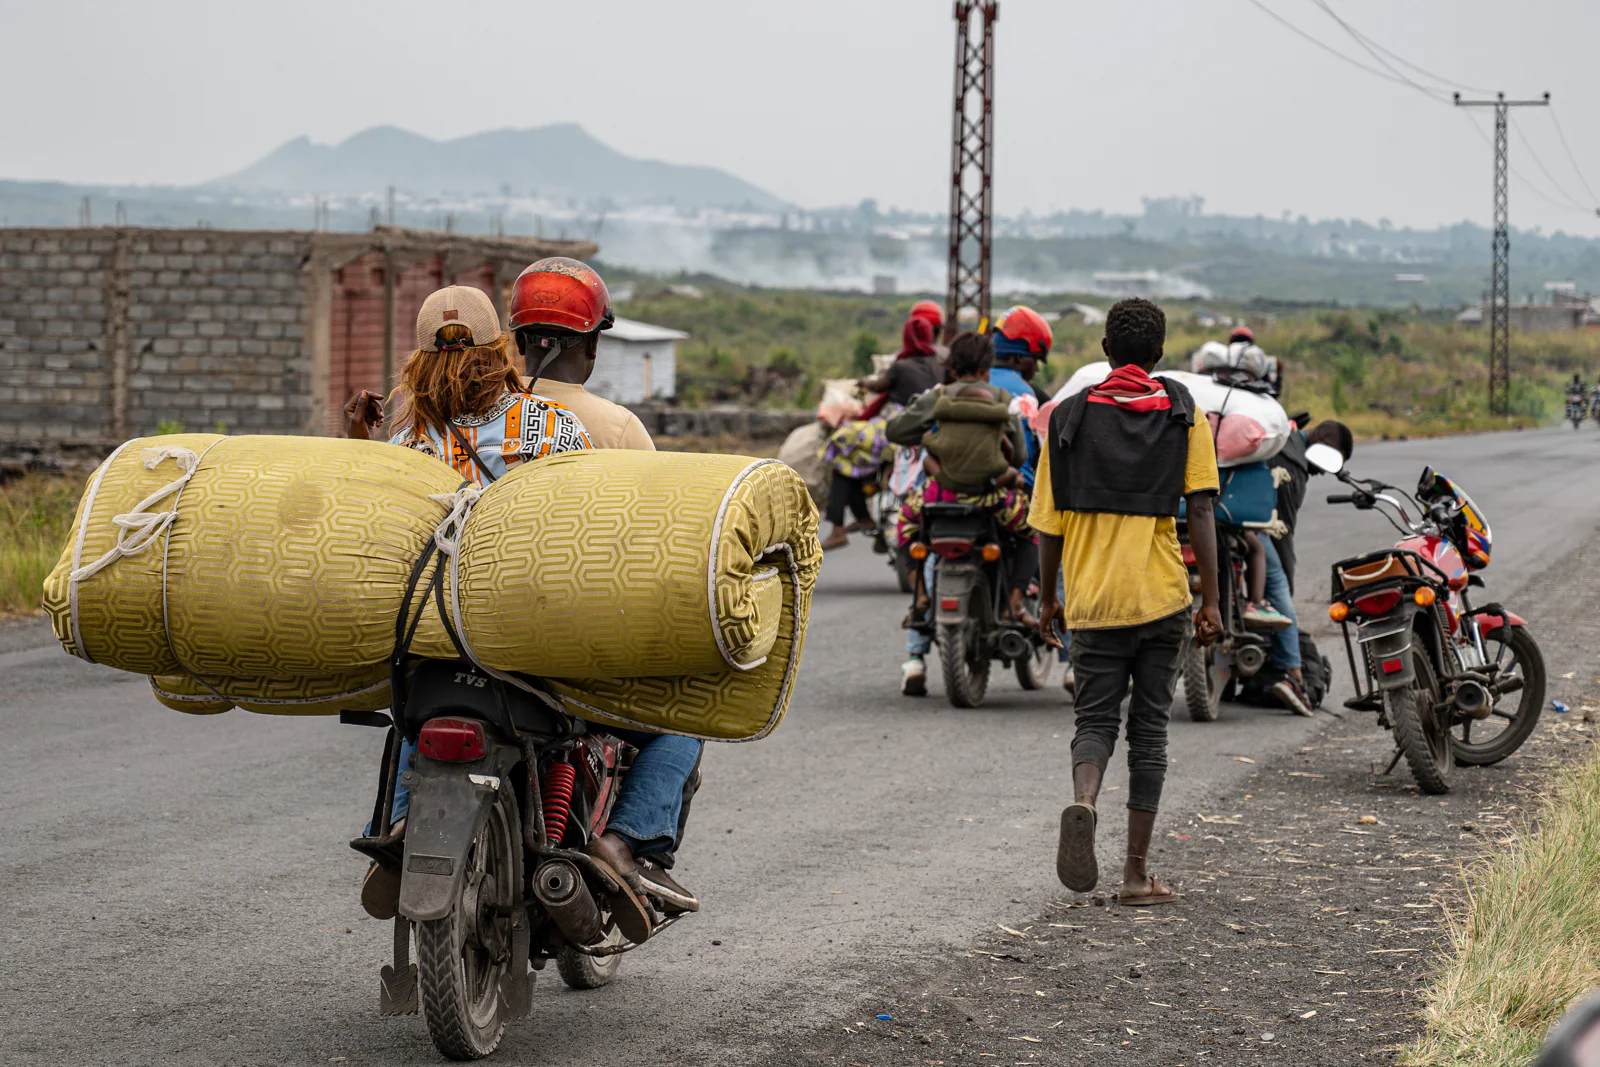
1141 891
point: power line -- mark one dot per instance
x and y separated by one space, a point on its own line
1517 174
1523 137
1372 50
1386 76
1571 158
1370 44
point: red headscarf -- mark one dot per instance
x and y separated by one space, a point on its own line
916 338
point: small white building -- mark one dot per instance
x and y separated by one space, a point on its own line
636 362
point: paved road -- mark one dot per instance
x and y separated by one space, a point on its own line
178 889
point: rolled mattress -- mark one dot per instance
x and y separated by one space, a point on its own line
661 590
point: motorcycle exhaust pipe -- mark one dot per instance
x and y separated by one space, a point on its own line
1013 645
1248 659
567 900
1472 700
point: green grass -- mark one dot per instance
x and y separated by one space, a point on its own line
1387 373
35 513
1528 943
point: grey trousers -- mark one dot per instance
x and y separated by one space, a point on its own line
1104 661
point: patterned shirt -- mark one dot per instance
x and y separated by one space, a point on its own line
519 427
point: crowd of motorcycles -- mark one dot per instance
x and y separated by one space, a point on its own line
508 788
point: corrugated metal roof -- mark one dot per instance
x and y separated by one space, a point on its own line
631 330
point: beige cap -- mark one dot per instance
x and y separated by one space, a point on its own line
457 303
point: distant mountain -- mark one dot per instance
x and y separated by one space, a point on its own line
554 161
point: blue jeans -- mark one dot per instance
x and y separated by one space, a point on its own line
651 800
1286 642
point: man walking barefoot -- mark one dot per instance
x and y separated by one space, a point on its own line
1119 459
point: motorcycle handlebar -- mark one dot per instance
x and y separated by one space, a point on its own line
1341 498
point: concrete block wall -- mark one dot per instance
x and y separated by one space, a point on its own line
218 332
54 374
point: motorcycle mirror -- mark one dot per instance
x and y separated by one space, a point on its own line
1325 458
1575 1042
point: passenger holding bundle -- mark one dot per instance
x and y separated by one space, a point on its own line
462 400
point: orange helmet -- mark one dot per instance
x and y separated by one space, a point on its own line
561 293
927 309
1022 331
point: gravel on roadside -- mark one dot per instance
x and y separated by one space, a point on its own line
1312 910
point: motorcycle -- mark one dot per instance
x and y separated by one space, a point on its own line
506 789
1435 668
1576 410
888 493
1211 673
1594 404
971 594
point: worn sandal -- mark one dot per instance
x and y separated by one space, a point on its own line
1075 862
1158 894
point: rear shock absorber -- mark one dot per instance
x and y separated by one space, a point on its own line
559 780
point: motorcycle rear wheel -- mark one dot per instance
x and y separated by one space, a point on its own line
966 671
462 958
1202 693
1528 662
1422 737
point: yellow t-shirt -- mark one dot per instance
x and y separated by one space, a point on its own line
1123 570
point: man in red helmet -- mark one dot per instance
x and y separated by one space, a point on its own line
559 306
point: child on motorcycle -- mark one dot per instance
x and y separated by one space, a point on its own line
971 356
968 450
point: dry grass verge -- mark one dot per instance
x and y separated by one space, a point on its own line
35 513
1528 943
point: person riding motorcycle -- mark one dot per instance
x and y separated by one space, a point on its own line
971 358
1022 340
462 400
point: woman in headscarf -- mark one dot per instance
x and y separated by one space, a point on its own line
855 450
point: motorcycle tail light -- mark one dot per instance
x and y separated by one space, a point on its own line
1378 603
1424 595
1338 611
952 548
991 552
918 550
452 740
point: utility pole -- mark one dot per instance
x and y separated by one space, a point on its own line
1500 272
972 163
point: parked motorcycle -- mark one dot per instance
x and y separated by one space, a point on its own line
1457 684
971 594
506 789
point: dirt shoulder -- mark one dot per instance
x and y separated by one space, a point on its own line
1306 931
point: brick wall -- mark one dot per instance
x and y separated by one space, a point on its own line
197 329
54 381
108 333
217 332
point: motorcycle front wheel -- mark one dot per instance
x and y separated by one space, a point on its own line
1478 744
580 971
1203 679
462 957
1421 732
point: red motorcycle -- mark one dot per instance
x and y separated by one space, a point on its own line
1436 670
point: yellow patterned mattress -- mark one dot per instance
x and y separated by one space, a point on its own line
667 591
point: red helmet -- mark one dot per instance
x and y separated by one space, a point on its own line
927 309
1242 333
562 293
1022 331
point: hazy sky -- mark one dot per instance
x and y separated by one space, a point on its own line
830 101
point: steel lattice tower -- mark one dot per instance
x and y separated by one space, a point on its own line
1500 269
972 162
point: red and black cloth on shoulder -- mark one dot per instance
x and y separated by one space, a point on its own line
1122 446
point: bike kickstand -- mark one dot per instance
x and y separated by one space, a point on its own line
399 993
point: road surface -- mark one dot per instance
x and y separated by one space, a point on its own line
179 890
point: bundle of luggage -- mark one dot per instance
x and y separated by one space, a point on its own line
655 590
